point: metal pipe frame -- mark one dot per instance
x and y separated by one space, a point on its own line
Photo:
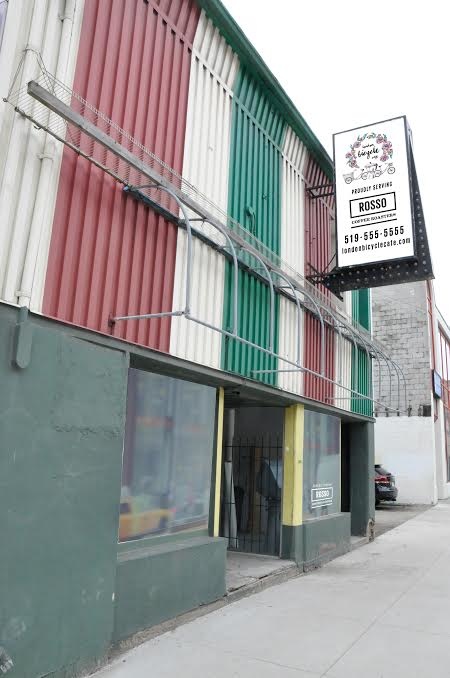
299 320
372 346
322 325
184 201
256 256
404 383
295 367
235 273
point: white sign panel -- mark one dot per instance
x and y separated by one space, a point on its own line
373 198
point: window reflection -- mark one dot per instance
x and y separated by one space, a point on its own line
321 465
167 455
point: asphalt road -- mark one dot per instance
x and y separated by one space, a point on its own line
391 514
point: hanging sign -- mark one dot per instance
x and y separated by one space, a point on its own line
374 216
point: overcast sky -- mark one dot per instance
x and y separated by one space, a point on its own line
346 64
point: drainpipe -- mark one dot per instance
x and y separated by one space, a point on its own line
20 129
47 157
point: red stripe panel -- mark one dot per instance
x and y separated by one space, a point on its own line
317 259
108 254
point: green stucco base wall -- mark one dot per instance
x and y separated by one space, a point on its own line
325 538
163 581
316 541
292 543
67 589
61 436
362 485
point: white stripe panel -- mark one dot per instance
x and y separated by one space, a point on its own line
31 160
189 339
288 346
343 366
293 205
206 159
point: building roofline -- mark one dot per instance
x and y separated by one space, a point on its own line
249 57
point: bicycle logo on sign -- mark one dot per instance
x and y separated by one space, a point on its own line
369 157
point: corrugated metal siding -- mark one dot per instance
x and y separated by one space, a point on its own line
317 259
343 363
254 185
361 308
293 202
25 150
253 324
361 382
110 255
293 253
288 343
317 388
206 165
361 366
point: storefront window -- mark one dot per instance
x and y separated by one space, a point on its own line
321 465
167 455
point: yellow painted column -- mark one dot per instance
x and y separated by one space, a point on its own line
293 466
219 449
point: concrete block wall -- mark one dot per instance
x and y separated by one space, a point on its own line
400 323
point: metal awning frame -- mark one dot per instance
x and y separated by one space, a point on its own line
236 245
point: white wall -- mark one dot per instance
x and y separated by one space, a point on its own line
405 446
441 454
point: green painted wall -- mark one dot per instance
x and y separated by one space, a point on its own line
161 581
255 201
325 538
316 541
361 367
249 56
362 485
67 589
292 543
61 434
361 308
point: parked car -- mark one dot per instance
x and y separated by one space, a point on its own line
385 488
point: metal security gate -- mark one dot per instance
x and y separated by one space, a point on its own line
251 505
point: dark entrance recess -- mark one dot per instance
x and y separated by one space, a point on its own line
251 507
252 475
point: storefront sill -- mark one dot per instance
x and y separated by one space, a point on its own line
148 550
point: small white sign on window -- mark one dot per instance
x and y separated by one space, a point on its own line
322 495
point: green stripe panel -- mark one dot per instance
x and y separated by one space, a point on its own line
254 200
361 308
361 367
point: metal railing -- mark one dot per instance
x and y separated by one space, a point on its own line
62 113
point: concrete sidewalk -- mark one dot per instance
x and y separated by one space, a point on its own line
382 611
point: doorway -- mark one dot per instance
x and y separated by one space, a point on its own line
252 479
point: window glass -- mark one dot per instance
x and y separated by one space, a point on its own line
167 455
321 465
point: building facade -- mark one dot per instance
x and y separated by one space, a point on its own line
239 416
412 442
